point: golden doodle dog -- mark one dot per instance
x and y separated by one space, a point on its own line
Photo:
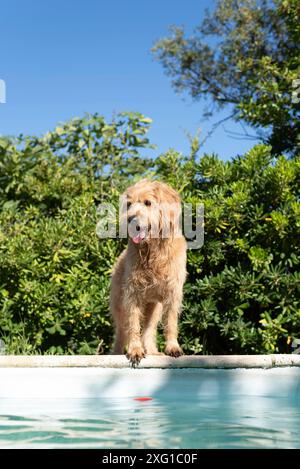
148 278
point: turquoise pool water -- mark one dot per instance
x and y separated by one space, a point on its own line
189 409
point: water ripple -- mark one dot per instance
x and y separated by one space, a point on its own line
123 423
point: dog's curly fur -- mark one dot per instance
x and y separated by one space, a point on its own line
148 278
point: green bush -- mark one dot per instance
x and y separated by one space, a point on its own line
242 293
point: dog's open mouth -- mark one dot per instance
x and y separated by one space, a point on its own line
138 238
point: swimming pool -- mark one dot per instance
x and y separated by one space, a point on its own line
190 408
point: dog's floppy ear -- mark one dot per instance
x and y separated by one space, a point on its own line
169 210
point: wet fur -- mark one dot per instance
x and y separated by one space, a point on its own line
148 279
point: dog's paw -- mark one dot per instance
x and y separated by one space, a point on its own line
173 351
135 355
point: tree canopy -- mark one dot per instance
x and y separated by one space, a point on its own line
245 55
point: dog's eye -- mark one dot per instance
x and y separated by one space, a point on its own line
128 204
147 202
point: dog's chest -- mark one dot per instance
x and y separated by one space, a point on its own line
153 285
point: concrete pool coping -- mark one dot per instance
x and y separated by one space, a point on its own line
120 361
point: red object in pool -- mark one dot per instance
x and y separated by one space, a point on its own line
143 399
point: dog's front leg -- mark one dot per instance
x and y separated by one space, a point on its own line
135 351
171 315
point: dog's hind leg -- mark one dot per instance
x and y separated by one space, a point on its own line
120 332
153 313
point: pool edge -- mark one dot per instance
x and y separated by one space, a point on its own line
120 361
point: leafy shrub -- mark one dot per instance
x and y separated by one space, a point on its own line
242 294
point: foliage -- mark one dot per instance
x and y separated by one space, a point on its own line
244 55
54 273
242 294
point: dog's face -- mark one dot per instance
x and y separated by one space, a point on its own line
153 210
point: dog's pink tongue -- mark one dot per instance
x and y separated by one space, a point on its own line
138 238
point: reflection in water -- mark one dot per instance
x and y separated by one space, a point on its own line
197 422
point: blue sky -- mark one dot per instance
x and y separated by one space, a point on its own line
60 59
